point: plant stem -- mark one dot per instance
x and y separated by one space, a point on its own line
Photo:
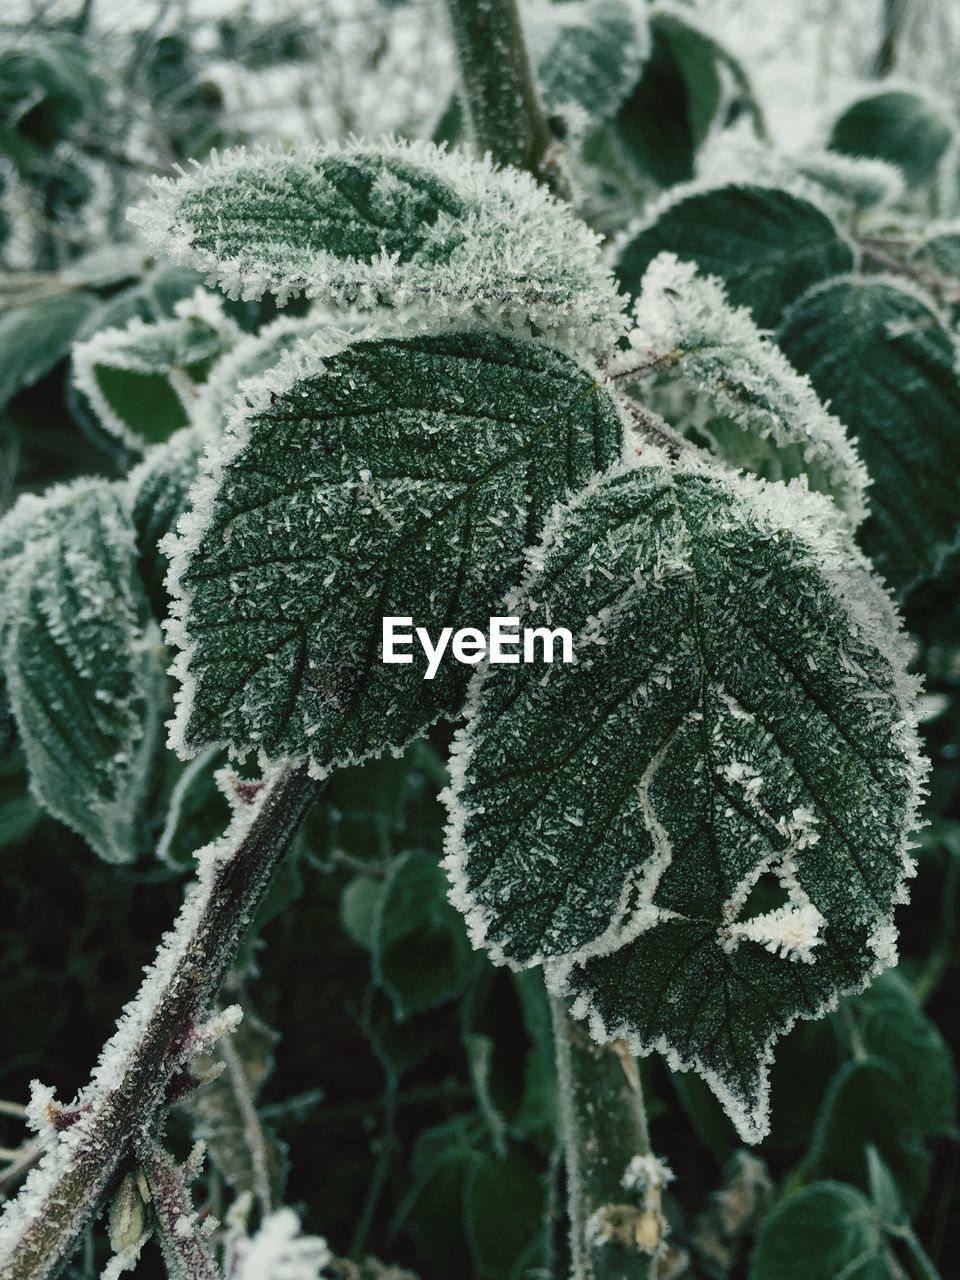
186 1249
894 13
158 1033
615 1221
499 94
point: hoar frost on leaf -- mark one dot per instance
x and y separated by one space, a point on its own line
142 379
364 478
740 707
396 223
706 366
589 55
82 659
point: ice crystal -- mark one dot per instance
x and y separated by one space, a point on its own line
278 1250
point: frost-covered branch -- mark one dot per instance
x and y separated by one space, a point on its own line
499 93
87 1143
182 1237
614 1183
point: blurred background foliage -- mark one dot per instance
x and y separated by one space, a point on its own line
403 1086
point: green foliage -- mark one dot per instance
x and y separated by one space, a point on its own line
35 338
81 659
826 1231
898 126
362 483
421 956
766 245
394 224
701 827
880 354
739 646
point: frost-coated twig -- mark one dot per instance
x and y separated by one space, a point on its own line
186 1249
87 1143
500 96
613 1182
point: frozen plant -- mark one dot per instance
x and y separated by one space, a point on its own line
693 450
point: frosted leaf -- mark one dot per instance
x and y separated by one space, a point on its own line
389 223
250 358
716 373
880 354
739 708
34 339
82 660
399 477
848 183
141 380
589 54
767 245
899 125
155 493
278 1250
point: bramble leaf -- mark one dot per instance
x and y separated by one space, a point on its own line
739 710
689 83
589 54
879 354
83 662
394 223
34 339
707 369
898 126
421 954
401 477
141 380
767 245
825 1231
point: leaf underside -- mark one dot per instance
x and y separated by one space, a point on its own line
403 478
729 717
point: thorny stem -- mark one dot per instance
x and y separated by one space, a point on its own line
499 93
615 1229
98 1142
186 1249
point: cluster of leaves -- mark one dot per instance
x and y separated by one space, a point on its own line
462 418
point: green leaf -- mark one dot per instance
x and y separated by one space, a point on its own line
421 955
898 126
156 496
879 354
83 662
893 1028
141 380
739 708
503 1210
866 1105
824 1232
715 374
767 245
395 223
401 1045
34 339
688 83
400 477
590 54
358 909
